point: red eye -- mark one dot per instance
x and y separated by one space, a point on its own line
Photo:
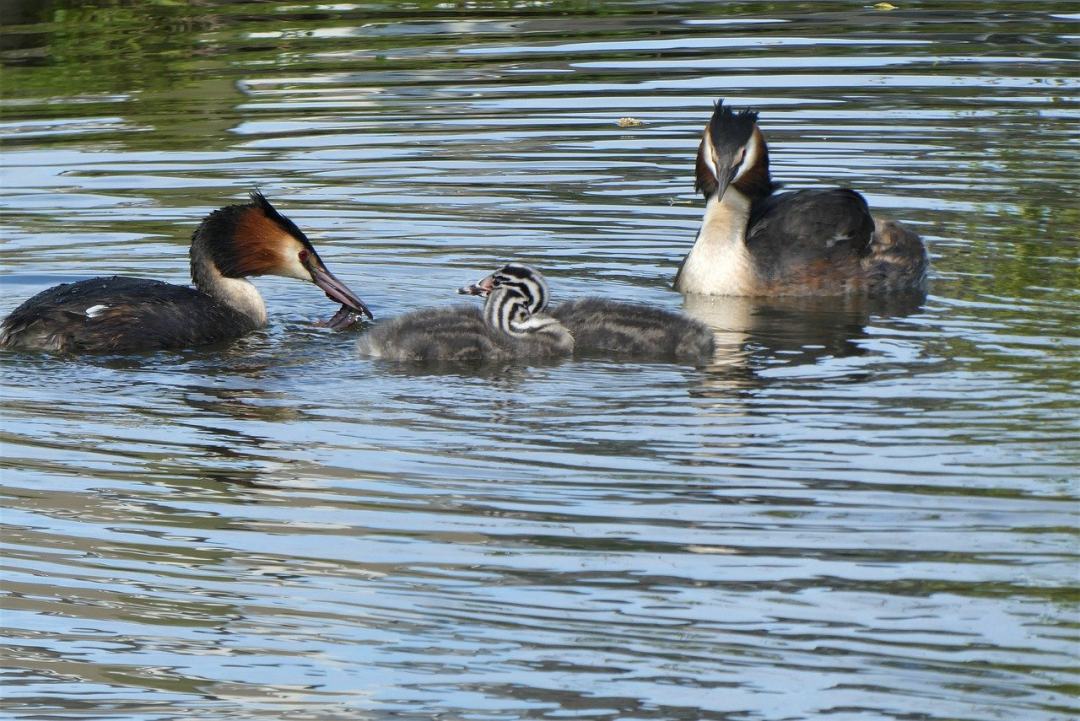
303 255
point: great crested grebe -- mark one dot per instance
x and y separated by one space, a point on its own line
754 242
601 326
119 315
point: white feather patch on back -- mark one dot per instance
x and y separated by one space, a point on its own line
830 242
95 310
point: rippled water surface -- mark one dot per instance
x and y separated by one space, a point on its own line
856 512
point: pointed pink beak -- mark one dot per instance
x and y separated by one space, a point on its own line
480 287
335 290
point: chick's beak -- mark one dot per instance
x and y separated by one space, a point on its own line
480 287
335 290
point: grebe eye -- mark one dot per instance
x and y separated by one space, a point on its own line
303 255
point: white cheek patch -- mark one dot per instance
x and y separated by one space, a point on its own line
751 154
291 267
740 168
96 310
707 154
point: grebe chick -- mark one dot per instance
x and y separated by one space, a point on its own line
505 329
120 315
601 326
632 329
755 242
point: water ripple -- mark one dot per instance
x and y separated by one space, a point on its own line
861 510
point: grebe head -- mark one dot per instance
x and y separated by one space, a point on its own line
732 152
517 295
255 239
519 279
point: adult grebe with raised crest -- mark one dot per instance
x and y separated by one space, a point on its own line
756 242
120 315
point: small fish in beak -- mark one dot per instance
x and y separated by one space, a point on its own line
335 290
346 317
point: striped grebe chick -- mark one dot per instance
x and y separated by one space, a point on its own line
756 242
121 315
506 328
610 328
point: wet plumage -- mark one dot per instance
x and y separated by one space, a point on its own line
121 315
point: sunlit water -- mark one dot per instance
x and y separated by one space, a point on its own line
855 513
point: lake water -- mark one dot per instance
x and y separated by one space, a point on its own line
855 513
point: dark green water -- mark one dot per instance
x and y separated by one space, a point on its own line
855 513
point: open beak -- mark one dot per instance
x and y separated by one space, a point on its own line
480 287
344 318
335 290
